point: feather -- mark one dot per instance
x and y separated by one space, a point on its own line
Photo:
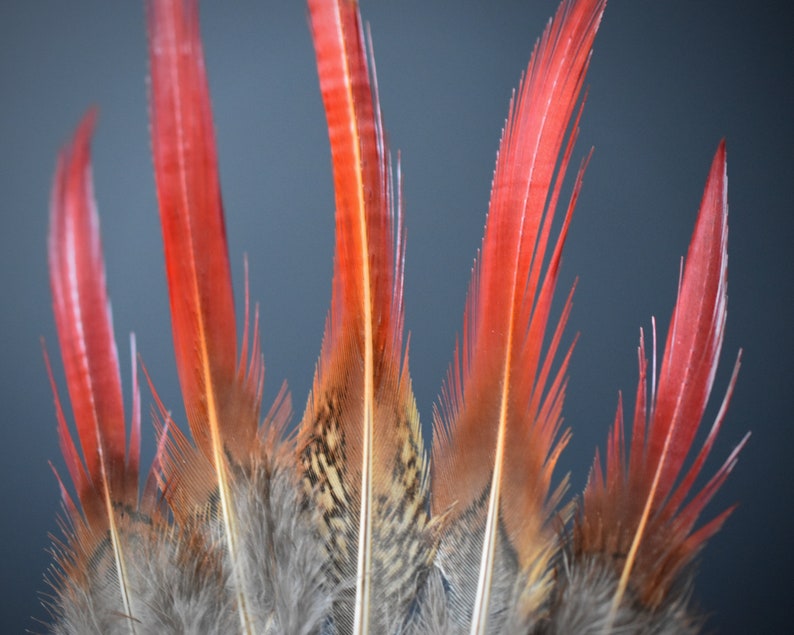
241 479
222 410
116 569
497 430
222 404
360 444
109 480
634 515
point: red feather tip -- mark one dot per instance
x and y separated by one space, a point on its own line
221 398
85 334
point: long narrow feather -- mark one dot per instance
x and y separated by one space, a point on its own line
635 517
222 407
109 481
497 435
360 443
85 333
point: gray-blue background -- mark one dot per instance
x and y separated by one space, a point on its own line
668 80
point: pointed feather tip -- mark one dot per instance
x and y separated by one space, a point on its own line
85 334
639 510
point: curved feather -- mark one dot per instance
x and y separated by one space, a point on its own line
222 403
497 431
109 480
638 511
360 443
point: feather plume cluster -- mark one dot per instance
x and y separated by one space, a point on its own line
350 525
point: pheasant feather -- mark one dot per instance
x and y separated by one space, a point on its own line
634 530
345 526
107 486
360 443
498 432
222 417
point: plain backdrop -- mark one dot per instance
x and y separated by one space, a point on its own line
668 80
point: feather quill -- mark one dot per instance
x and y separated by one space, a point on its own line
360 444
497 430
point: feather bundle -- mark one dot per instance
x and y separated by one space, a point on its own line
348 526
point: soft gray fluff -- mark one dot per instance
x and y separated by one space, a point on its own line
458 559
175 585
180 580
582 600
284 558
179 576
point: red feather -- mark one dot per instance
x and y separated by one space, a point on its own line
638 511
360 442
498 431
222 397
85 334
222 407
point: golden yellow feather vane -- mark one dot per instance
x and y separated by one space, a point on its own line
349 525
